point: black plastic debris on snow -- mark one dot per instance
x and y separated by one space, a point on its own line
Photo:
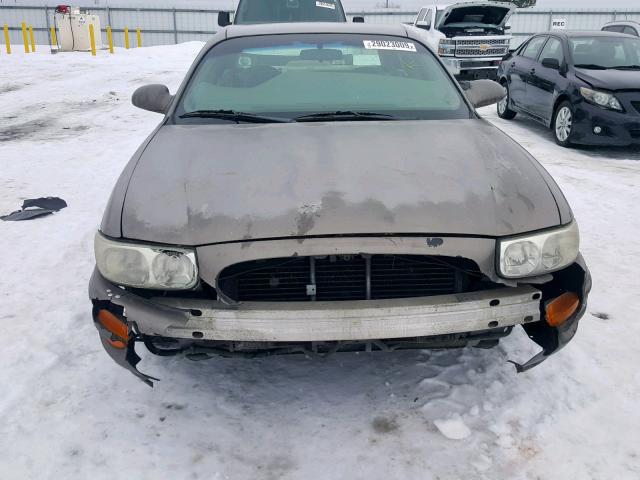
35 208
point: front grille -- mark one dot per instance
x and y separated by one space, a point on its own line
482 48
494 41
476 52
635 133
348 277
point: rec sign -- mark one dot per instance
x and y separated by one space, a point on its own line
558 24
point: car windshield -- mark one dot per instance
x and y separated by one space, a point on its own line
605 52
288 76
275 11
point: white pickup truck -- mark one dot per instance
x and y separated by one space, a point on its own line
469 36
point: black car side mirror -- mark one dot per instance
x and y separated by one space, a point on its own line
155 98
423 25
224 19
358 20
551 63
483 92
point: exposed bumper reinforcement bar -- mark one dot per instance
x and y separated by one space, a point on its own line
364 320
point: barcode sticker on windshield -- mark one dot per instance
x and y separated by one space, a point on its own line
389 45
326 5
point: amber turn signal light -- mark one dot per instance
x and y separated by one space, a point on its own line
561 308
114 325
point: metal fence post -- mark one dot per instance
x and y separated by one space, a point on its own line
175 28
550 19
46 16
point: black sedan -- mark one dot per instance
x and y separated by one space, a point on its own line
585 86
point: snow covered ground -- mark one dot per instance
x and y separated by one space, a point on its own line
67 411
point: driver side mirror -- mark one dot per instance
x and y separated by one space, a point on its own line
358 20
551 63
155 98
483 92
423 25
224 19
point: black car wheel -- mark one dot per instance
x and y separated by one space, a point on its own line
563 124
503 105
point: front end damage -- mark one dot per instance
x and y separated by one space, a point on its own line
207 323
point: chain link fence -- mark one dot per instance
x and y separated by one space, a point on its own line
162 26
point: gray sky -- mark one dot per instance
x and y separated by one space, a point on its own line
350 5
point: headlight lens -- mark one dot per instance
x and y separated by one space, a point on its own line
446 47
154 267
538 254
602 99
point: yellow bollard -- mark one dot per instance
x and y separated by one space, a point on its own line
110 39
92 39
139 35
7 42
33 41
126 38
24 37
54 38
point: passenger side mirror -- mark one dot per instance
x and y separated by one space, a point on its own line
224 19
358 19
551 63
155 98
507 27
483 92
423 25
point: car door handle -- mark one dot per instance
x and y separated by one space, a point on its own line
532 71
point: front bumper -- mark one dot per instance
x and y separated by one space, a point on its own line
192 322
618 128
473 68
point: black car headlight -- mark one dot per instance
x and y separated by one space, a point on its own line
537 254
146 266
601 99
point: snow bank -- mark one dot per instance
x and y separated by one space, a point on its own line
67 129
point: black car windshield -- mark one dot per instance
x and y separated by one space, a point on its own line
291 76
276 11
605 52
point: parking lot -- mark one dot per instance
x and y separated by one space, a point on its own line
67 128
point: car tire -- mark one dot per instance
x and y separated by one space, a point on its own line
503 105
562 125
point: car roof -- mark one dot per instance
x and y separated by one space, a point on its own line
316 27
583 33
631 23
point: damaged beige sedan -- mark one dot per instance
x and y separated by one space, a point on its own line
322 188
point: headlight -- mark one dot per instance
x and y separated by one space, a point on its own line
146 266
546 252
446 47
602 99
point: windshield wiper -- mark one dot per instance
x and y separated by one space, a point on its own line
627 67
234 116
343 115
590 66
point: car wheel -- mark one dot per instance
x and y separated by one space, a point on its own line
503 105
563 124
